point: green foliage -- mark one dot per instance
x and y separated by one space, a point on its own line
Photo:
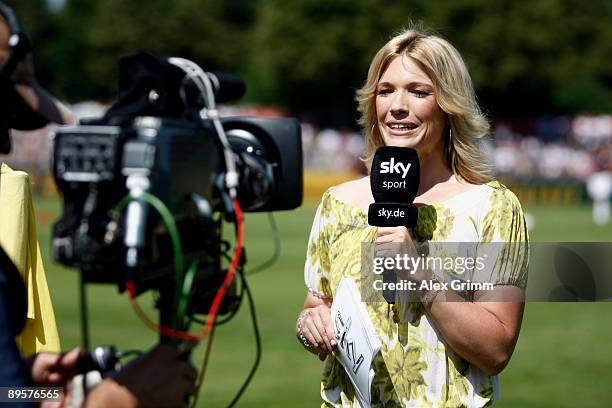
209 32
309 56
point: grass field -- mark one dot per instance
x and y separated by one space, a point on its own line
563 358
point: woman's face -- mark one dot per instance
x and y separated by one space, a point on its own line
406 107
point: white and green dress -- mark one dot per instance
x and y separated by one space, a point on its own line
415 368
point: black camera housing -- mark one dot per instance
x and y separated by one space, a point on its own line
182 164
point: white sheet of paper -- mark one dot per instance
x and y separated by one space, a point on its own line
357 339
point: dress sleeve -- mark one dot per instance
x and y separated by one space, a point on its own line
317 267
504 239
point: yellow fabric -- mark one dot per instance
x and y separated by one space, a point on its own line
18 239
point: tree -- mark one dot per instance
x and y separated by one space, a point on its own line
526 58
315 54
309 56
529 58
210 33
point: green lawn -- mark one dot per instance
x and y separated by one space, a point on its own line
563 357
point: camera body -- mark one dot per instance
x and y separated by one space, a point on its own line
180 161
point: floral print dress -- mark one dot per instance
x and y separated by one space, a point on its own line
414 367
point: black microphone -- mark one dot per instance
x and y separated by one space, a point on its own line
392 215
394 180
227 87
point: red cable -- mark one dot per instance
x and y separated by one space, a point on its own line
164 331
212 314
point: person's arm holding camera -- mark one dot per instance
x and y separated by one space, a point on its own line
37 97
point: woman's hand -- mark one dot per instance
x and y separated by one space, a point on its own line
397 235
393 241
315 326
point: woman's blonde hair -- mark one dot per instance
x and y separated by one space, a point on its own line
453 90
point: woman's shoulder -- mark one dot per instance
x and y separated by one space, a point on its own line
355 193
476 201
492 190
502 195
347 190
503 217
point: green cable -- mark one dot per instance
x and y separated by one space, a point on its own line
184 300
168 219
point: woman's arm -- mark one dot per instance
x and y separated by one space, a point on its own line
314 328
484 332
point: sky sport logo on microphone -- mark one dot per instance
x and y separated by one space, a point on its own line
395 174
391 167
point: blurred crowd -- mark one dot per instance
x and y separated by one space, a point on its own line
552 148
549 148
566 148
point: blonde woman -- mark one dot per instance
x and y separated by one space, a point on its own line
419 94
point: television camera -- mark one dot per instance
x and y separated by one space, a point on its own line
146 188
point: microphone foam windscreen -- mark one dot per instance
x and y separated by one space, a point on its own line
228 87
395 174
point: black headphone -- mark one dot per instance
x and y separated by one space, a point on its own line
19 46
18 43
